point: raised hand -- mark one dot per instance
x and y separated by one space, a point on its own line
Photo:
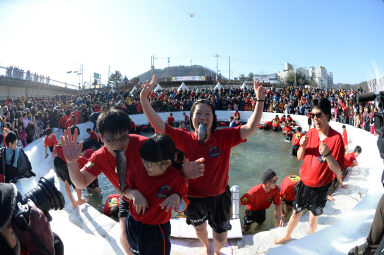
171 202
259 90
304 141
193 169
71 149
147 87
323 149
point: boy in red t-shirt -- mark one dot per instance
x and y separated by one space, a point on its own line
111 206
296 141
345 137
260 198
287 192
350 160
171 120
155 186
49 141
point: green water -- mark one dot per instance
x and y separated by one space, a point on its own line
263 150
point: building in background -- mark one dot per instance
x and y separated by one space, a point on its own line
272 79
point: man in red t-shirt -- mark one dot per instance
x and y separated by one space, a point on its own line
287 192
259 198
322 150
171 120
296 141
350 160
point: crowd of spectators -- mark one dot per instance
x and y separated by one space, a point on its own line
18 73
29 117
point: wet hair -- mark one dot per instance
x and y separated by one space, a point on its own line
113 121
88 130
343 126
193 109
324 105
159 148
114 212
10 138
73 128
299 129
48 131
357 149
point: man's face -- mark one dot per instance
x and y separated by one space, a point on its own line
117 142
320 119
13 145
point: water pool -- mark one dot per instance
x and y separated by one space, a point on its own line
263 150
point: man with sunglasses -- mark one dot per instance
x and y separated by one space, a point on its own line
259 198
322 150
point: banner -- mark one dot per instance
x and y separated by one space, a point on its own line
188 78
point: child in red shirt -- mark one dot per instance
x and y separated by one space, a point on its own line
260 198
345 137
287 192
155 186
296 141
350 160
49 141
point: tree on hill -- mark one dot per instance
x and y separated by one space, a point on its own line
250 77
242 77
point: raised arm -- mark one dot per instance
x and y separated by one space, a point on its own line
154 119
251 126
72 151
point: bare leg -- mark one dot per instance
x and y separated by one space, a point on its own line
123 236
219 240
202 234
312 223
69 194
80 200
293 221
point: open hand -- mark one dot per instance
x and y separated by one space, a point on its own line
171 202
259 90
139 202
147 87
71 148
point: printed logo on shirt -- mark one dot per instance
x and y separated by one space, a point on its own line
164 192
244 199
89 164
214 152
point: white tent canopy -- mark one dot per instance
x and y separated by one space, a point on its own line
218 86
183 87
244 86
158 88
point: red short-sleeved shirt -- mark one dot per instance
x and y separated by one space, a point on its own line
345 137
288 130
170 120
155 189
348 159
296 138
216 152
257 199
315 172
50 141
102 161
286 187
112 200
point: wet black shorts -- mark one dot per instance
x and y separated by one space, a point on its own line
123 208
146 239
94 184
311 198
217 210
50 148
61 170
254 216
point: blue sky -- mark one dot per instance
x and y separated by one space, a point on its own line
52 37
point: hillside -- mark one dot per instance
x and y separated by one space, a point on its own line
174 71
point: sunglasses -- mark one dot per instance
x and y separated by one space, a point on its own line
317 115
150 164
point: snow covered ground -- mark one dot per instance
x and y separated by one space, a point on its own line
345 223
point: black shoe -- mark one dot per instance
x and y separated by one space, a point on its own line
362 249
246 227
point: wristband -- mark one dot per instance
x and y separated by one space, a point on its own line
327 154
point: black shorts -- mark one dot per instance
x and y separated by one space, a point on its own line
294 150
217 210
94 184
61 170
311 198
50 148
254 216
123 208
146 239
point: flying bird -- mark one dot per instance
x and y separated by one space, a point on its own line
193 15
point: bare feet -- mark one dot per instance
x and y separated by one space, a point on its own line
281 240
206 250
330 198
74 204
